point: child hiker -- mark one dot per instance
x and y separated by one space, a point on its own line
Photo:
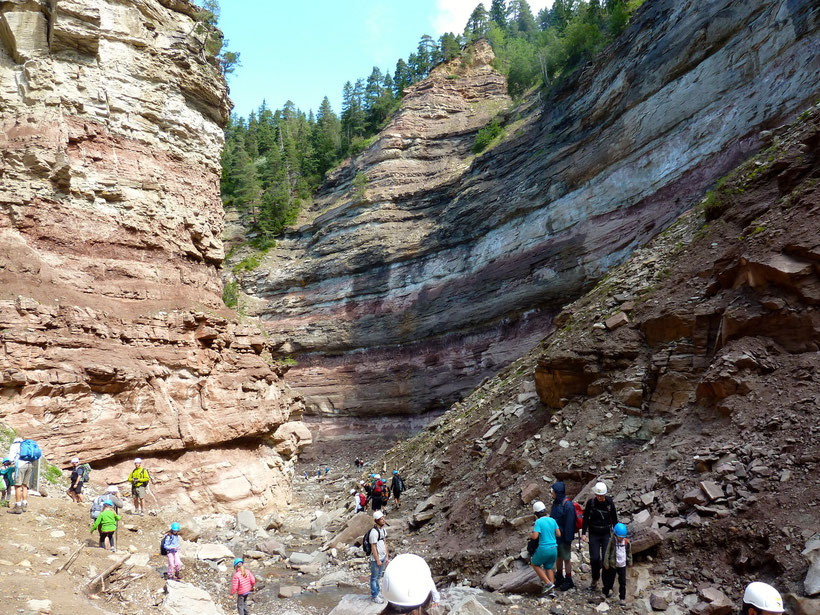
106 521
242 585
617 557
171 545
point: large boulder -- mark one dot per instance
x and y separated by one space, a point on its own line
245 521
357 605
213 551
189 529
811 584
470 606
185 599
353 531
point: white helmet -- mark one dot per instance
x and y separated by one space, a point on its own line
352 491
763 597
407 581
378 515
538 507
75 460
378 476
599 488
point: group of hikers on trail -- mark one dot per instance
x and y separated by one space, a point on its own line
377 492
551 539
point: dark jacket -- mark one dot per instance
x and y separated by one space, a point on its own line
609 556
563 511
599 517
397 485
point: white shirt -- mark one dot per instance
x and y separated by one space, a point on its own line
357 505
14 452
377 537
620 554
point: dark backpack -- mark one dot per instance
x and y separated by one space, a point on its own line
366 540
97 506
30 450
399 484
85 472
162 549
532 545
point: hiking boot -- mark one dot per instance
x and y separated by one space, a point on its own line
548 588
177 577
15 511
566 585
25 507
593 587
378 600
559 579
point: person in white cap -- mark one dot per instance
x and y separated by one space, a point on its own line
357 502
379 556
600 517
75 489
761 599
408 586
139 480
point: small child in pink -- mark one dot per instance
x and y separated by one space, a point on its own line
242 585
171 546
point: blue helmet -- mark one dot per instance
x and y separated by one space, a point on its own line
108 503
7 460
238 561
175 527
620 530
395 471
372 476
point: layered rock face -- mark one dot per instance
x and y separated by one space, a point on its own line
399 297
110 224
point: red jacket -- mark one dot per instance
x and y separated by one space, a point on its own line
242 585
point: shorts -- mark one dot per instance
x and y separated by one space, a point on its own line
78 489
138 492
25 471
564 551
544 557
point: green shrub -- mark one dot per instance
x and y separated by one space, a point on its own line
360 185
230 294
52 474
249 263
486 135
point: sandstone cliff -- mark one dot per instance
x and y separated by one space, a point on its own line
448 266
110 220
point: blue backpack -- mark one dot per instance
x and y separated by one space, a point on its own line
30 451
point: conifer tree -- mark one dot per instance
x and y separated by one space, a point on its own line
477 23
498 13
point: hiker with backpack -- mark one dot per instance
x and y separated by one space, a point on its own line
24 454
139 479
397 487
75 489
377 494
546 532
569 518
107 524
6 480
600 517
616 559
112 494
374 544
169 546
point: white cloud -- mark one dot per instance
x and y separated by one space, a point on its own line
452 15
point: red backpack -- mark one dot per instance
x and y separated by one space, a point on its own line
579 514
377 490
362 499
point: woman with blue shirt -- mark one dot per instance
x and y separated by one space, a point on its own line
543 560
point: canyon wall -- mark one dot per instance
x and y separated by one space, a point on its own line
113 339
399 297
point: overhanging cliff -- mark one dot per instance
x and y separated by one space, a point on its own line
112 339
399 298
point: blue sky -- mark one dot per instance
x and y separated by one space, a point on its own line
305 50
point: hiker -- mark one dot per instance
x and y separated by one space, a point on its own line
242 585
377 494
319 473
408 586
397 487
761 599
357 503
356 463
617 557
306 475
600 517
139 480
75 489
6 479
327 470
563 511
107 524
112 494
379 555
24 454
547 533
170 544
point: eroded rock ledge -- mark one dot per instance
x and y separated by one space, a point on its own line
113 340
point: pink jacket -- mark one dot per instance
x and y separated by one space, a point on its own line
242 585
